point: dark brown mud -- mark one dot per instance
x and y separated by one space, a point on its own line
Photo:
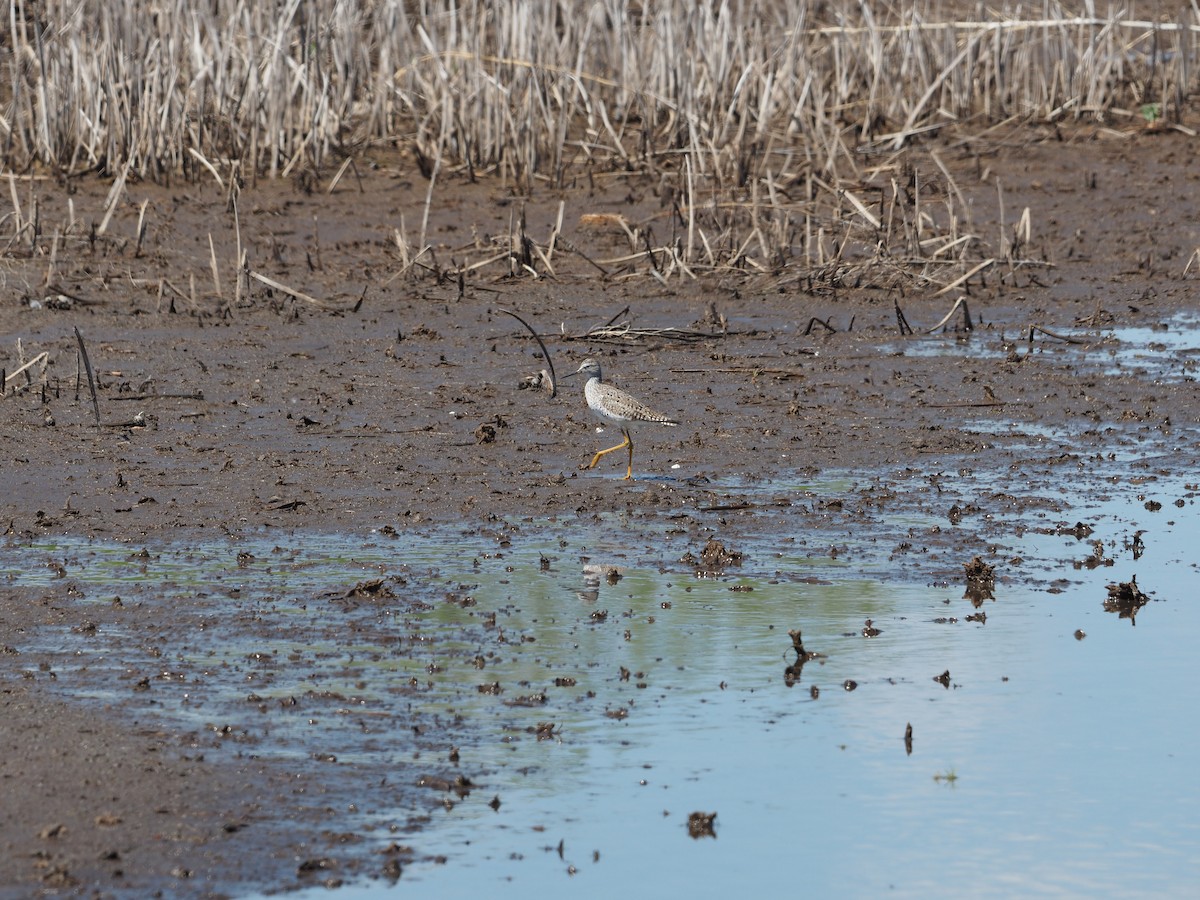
387 398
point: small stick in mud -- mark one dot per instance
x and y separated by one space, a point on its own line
87 364
1058 337
141 228
212 262
967 323
291 292
802 655
613 320
829 329
791 673
545 352
42 358
571 248
901 321
962 279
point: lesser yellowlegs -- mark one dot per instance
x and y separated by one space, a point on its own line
615 407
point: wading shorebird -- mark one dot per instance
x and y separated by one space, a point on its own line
613 406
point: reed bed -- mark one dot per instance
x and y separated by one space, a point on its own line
774 126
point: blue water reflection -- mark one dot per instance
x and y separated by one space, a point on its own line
1052 764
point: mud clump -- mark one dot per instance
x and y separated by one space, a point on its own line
487 431
373 591
460 784
1095 560
700 824
1125 598
981 581
1079 531
714 559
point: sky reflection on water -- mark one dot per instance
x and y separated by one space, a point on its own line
1051 765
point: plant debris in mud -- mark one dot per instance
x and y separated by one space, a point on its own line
1125 598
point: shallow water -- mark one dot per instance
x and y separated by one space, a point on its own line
1168 352
1050 764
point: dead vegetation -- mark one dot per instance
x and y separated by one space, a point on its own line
774 136
557 90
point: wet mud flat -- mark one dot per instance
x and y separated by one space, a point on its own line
400 405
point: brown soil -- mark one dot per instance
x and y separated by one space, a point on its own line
269 412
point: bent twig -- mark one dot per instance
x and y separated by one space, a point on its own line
545 352
1058 337
961 301
87 364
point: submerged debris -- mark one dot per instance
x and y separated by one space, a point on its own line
908 739
981 581
1125 598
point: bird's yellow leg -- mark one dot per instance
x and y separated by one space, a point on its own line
629 469
595 459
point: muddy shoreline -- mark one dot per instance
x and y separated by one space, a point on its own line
274 415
